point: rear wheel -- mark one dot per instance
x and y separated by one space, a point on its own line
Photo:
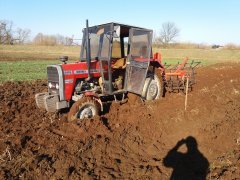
84 108
155 88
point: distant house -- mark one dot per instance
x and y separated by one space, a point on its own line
216 46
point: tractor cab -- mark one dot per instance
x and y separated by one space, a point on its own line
123 53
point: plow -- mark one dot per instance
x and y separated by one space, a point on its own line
176 75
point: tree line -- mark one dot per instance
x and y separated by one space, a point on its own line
52 40
8 35
11 35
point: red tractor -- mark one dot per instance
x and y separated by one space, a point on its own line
115 59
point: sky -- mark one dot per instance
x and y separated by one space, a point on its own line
199 21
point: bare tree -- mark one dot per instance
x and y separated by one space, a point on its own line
22 35
60 39
6 32
38 39
168 33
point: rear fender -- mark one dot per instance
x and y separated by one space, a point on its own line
95 97
157 64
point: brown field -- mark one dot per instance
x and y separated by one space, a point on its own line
134 140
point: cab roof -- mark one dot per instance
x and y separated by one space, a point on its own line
121 25
124 28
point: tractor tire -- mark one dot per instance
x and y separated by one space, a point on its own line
155 88
86 107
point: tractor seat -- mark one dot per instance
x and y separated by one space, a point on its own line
119 64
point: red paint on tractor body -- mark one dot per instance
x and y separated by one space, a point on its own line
75 71
79 70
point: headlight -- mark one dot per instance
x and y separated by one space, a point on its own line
50 85
57 86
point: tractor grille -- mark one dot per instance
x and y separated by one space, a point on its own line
53 80
52 73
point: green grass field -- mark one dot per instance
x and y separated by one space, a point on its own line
23 70
28 62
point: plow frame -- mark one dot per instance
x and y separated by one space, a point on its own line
176 75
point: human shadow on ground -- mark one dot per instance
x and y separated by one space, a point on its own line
189 165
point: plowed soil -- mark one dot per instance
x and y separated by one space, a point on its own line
137 140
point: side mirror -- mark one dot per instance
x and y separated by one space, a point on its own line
116 33
63 59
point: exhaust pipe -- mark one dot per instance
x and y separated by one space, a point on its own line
88 51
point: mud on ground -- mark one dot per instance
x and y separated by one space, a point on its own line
151 140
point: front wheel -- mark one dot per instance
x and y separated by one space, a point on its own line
84 108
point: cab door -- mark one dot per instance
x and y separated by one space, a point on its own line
140 41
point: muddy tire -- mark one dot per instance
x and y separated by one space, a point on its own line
84 108
155 88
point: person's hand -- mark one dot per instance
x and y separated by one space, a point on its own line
181 142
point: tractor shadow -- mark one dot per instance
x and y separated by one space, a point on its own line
189 165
